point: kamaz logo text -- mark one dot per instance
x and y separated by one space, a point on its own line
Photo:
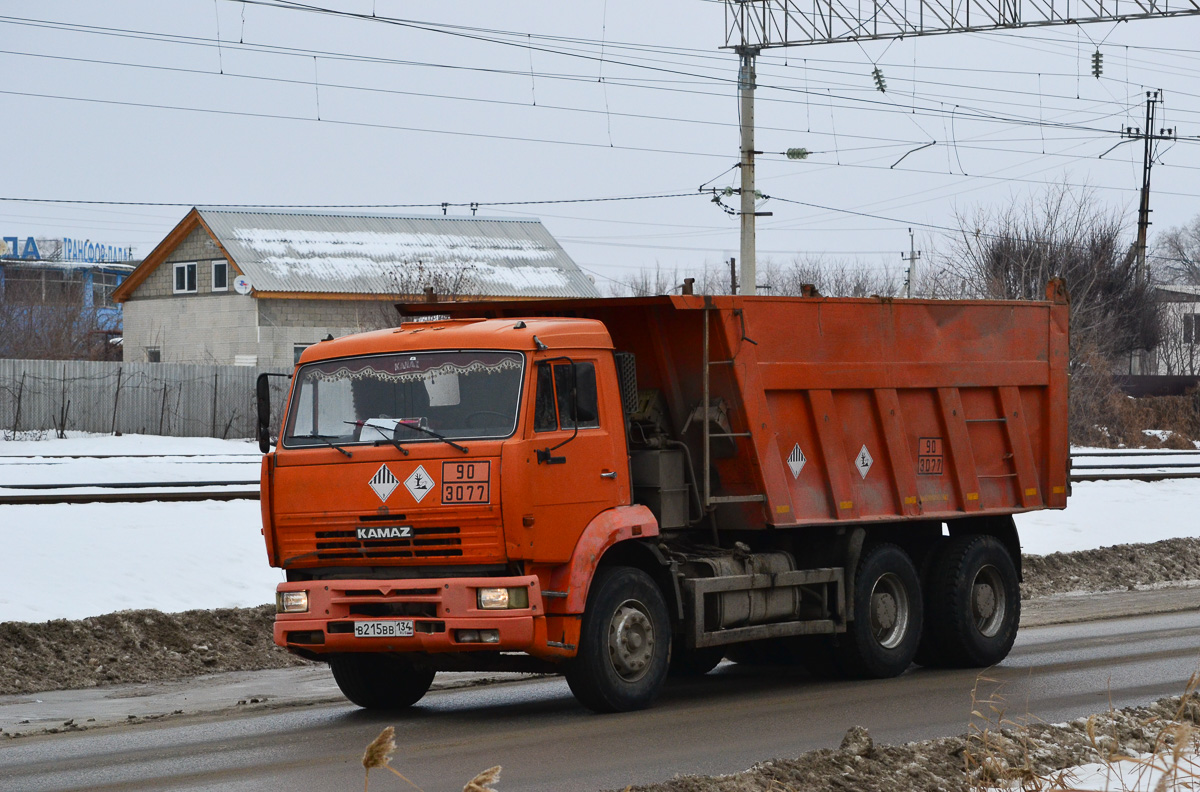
386 532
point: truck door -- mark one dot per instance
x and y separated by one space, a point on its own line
587 473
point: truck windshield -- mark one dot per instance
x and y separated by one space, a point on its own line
459 395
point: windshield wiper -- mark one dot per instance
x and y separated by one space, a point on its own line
431 433
324 439
383 430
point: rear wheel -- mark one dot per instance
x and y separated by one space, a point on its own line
882 640
974 603
624 643
380 681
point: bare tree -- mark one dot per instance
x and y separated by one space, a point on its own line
1013 252
801 275
1176 255
43 315
410 282
830 278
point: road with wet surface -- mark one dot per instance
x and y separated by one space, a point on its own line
721 723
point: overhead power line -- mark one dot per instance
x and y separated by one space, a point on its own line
441 205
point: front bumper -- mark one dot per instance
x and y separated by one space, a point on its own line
438 608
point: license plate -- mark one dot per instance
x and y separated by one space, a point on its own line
401 628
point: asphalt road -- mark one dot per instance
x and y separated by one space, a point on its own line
719 724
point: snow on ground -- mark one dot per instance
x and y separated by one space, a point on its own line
1102 513
72 561
84 443
129 458
68 561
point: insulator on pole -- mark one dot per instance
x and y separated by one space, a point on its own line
797 153
1097 64
880 83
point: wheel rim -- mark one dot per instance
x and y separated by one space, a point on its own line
889 611
631 640
989 603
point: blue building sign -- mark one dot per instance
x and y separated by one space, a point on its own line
10 248
93 252
84 251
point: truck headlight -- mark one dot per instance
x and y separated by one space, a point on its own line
503 598
291 602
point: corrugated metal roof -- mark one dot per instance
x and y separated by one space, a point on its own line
1192 291
395 254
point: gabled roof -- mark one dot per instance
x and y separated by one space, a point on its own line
298 253
1182 293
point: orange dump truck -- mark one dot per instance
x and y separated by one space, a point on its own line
620 489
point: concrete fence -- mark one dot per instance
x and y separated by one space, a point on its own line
174 399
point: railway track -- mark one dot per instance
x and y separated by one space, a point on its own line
1135 465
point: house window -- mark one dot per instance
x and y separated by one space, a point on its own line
153 355
297 351
220 276
103 284
185 277
1190 327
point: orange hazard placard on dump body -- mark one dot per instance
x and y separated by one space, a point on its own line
466 482
929 456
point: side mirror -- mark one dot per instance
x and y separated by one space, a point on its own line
262 392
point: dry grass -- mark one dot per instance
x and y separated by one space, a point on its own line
1002 753
1103 416
378 756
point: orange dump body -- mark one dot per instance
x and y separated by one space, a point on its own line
854 409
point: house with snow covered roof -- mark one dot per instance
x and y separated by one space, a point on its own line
255 288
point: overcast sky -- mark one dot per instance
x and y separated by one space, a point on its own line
135 101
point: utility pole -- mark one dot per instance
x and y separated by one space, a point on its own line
746 100
1149 138
732 275
911 258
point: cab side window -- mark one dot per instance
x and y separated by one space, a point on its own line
545 417
552 407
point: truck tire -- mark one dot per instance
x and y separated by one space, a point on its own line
624 643
974 603
380 681
882 640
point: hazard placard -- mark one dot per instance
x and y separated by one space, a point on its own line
929 456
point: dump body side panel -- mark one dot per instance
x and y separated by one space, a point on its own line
854 409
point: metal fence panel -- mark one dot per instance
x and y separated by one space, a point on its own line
176 399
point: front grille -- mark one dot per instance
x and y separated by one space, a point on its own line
425 543
331 540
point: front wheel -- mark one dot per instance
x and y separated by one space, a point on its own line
624 643
882 640
380 681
